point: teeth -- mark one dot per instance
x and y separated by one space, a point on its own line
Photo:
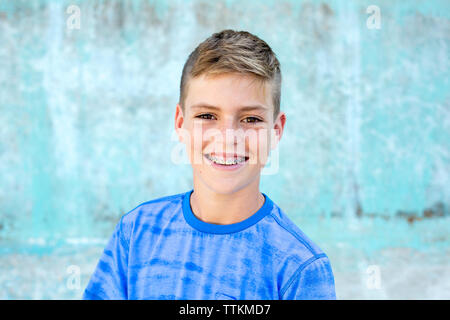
225 162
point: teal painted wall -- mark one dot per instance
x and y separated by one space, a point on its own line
86 116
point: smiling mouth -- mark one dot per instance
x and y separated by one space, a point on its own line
229 161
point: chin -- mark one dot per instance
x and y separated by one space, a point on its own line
222 186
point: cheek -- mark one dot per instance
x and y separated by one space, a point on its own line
193 143
263 146
197 139
258 146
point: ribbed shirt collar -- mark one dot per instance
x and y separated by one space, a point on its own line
200 225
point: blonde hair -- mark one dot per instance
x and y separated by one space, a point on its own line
232 51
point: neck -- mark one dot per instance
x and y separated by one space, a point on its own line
225 208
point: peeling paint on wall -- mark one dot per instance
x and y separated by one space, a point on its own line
86 115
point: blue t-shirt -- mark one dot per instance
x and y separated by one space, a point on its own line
161 250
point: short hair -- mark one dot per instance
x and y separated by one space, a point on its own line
232 51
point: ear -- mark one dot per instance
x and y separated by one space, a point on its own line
278 128
179 120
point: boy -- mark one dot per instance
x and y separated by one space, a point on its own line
223 239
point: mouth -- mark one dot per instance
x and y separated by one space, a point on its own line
230 162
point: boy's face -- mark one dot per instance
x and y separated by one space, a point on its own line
218 130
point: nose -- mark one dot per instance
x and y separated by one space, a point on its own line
230 137
228 123
230 132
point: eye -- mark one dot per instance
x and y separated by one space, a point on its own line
204 116
252 120
207 116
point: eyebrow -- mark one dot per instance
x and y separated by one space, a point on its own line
244 108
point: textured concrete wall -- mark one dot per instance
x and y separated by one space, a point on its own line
86 132
86 115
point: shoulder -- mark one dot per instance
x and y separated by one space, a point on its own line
288 237
151 212
288 244
294 251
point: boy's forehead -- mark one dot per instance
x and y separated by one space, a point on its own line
228 91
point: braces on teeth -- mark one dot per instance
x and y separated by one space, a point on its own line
228 162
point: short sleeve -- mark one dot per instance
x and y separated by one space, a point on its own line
313 280
109 280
